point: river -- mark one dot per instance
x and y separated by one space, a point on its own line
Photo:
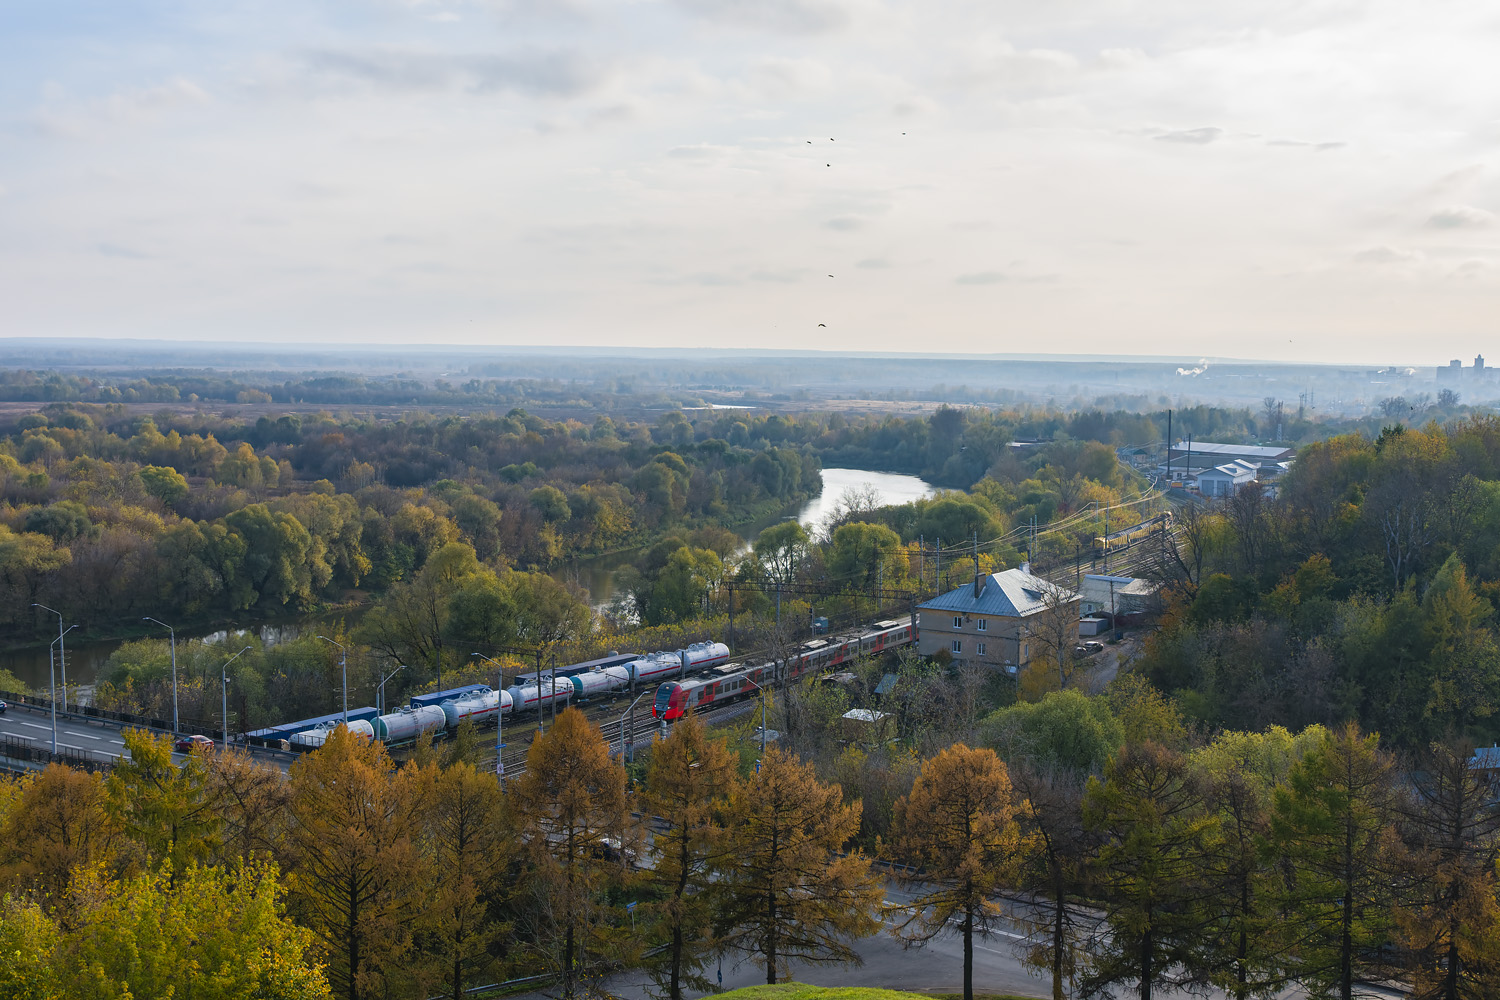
597 575
86 658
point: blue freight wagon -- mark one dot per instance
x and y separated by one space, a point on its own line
286 731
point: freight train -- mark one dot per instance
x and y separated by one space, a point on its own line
445 710
721 685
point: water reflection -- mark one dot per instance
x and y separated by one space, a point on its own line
596 576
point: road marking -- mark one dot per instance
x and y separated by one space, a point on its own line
34 725
119 743
86 736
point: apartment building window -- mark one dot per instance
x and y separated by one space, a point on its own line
958 621
981 649
958 646
981 624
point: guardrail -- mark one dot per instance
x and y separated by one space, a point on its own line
26 748
122 719
185 728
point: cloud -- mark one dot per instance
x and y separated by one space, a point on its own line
1192 136
982 278
777 277
537 72
1385 255
844 224
700 151
1317 147
115 250
1460 217
124 107
793 17
873 263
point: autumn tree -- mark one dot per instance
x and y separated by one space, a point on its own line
160 805
789 895
249 801
1053 868
58 822
1331 822
211 932
571 797
686 791
357 875
470 840
781 550
957 836
1149 810
1447 916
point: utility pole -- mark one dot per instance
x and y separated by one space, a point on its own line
173 632
224 695
922 561
937 576
1169 449
343 666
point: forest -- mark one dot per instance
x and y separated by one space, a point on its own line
1364 590
1131 852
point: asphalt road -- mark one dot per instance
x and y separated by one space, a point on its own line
936 967
99 737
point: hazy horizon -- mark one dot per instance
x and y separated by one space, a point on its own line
1309 182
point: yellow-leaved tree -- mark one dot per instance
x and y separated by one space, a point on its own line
210 932
572 802
357 876
789 892
688 782
957 836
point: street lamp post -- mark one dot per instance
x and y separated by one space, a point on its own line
53 672
499 719
626 748
380 694
344 666
61 655
224 692
173 633
59 661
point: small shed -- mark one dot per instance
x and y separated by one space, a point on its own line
866 725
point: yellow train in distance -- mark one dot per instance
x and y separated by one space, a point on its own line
1126 537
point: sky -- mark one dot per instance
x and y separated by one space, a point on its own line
1314 180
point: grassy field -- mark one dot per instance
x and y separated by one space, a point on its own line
800 991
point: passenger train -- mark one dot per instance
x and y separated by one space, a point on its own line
734 681
1126 537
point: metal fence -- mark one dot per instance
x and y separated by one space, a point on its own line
184 728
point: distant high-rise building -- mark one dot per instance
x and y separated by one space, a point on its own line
1451 372
1478 364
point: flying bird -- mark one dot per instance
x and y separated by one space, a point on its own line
822 324
830 275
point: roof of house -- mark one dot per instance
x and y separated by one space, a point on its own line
1231 470
1013 593
1486 758
1247 450
1096 589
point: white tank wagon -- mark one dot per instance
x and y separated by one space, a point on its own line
531 698
657 666
481 707
601 681
318 736
705 654
409 723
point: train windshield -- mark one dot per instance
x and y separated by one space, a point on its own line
663 697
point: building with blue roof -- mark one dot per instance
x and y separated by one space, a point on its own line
1003 620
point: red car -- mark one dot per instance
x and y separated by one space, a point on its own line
185 744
